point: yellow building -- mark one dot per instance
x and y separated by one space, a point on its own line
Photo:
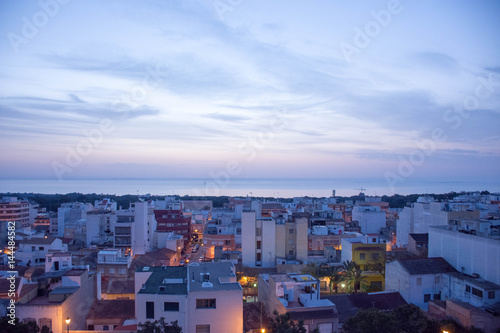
369 254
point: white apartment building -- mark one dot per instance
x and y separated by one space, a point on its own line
370 218
471 253
203 298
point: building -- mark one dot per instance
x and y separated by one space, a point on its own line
426 213
291 238
134 227
110 315
71 212
58 261
369 254
112 263
418 280
174 219
418 244
369 218
258 240
203 297
466 315
469 252
12 209
72 298
34 250
298 295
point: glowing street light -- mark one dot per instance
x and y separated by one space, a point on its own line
68 320
263 330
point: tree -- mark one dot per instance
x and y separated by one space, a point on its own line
312 269
283 324
370 321
356 279
159 326
336 275
410 318
18 327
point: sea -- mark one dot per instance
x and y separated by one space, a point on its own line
256 187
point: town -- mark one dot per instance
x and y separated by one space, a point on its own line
316 264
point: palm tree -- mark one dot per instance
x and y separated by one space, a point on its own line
336 275
348 266
356 279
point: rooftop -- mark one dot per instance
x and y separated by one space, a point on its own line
221 276
104 311
420 237
478 282
172 280
426 266
36 241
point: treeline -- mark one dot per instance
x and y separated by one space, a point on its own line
53 201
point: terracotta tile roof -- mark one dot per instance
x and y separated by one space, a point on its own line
104 311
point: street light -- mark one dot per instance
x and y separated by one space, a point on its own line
68 320
263 330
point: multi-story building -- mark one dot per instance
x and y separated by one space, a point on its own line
298 295
418 280
369 218
258 240
203 297
12 209
112 263
71 299
369 254
71 212
426 213
133 229
174 219
267 241
34 250
469 251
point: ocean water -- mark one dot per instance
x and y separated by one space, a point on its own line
284 188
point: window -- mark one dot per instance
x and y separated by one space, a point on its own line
105 328
437 296
361 256
111 270
375 256
290 252
33 248
477 292
491 294
205 277
374 240
437 279
258 245
258 232
290 231
228 242
205 303
122 271
467 288
427 298
171 306
259 257
202 328
150 310
419 281
41 248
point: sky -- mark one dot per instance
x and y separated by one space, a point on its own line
238 88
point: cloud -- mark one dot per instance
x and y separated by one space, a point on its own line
227 117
